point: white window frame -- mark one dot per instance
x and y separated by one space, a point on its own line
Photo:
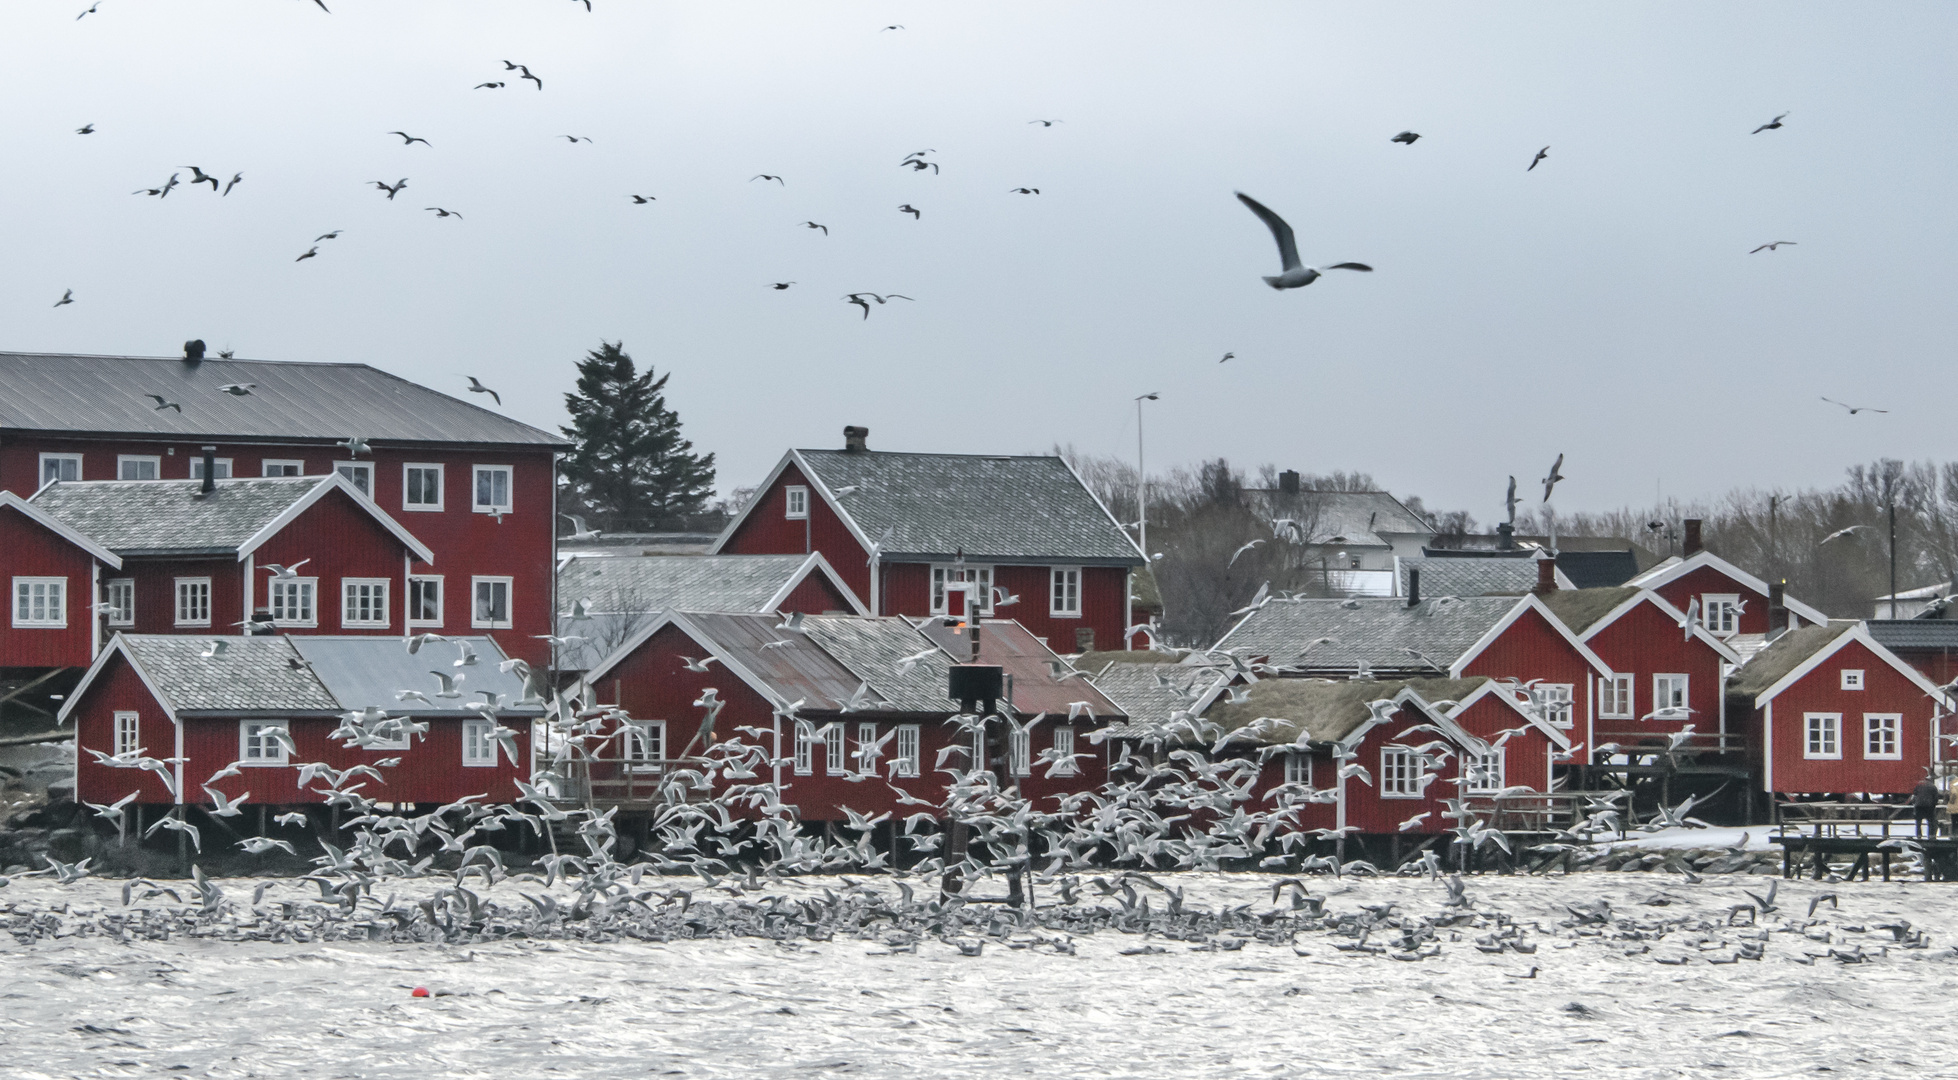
1617 698
909 749
309 588
124 461
1019 753
259 751
1557 700
1064 764
47 459
178 592
1063 588
348 586
1400 773
408 470
477 505
805 748
1484 772
120 594
946 574
836 755
128 733
1720 613
1828 725
643 746
49 595
795 502
1661 703
1298 767
867 754
1889 727
1852 679
358 473
509 603
424 581
219 465
278 467
479 749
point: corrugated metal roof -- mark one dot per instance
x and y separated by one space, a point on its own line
991 508
1495 576
366 672
1377 631
799 670
154 517
312 674
68 393
628 583
1359 517
1914 633
1149 693
869 647
1034 669
252 674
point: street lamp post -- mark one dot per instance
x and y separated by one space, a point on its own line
1142 486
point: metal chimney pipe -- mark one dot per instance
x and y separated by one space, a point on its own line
1413 586
210 470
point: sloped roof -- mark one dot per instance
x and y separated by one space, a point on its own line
1032 669
1916 634
71 393
1578 609
869 649
1139 690
1597 569
799 670
176 517
1784 654
1376 630
365 671
1328 710
991 508
1495 576
1360 517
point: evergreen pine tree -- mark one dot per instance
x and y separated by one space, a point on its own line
630 469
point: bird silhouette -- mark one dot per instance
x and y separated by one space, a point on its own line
407 139
198 176
478 388
1771 247
441 213
392 189
236 179
813 225
1556 474
766 176
67 297
311 252
1854 409
907 208
1024 191
1772 125
1538 159
1407 137
85 129
1293 274
643 199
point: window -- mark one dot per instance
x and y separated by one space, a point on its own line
421 487
258 745
478 744
1852 679
796 502
492 609
1615 698
122 602
1880 736
358 473
1019 752
220 468
805 748
1066 592
907 750
1669 696
193 601
1824 736
138 467
1298 768
945 574
41 601
425 600
1399 777
281 467
129 733
645 744
363 602
1555 700
292 601
1483 770
1720 613
1063 753
492 489
867 749
834 762
66 467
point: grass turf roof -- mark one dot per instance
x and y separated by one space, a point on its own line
1328 710
1785 654
1579 608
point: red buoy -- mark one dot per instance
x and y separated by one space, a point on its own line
421 991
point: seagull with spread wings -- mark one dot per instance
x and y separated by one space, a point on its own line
1293 274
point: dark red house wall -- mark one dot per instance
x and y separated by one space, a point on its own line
156 593
341 540
1531 648
1645 642
768 531
1374 812
1886 691
119 689
431 770
1706 579
1526 756
816 596
28 549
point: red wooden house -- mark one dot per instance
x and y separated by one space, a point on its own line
1729 601
1830 711
165 696
902 528
478 487
795 693
195 555
1668 672
52 577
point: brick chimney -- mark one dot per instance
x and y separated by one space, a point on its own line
1777 608
210 471
1546 575
1288 482
856 439
1413 586
1693 544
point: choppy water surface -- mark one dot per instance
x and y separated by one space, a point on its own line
1609 997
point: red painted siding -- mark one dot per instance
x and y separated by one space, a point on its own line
1820 691
32 550
1526 756
156 593
1374 812
1531 648
339 540
816 596
1644 642
769 531
1706 579
119 689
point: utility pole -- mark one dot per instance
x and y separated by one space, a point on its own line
1142 486
1890 505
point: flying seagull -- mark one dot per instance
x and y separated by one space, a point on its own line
1771 247
1227 356
88 128
407 139
67 297
1540 155
574 138
1854 409
392 190
334 235
1556 474
237 389
780 285
1407 137
90 11
1772 125
813 225
1510 500
766 176
478 388
915 213
1044 123
488 86
163 403
1840 533
1292 275
643 199
198 176
439 212
1024 190
236 179
311 252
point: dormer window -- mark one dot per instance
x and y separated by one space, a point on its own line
1720 613
797 502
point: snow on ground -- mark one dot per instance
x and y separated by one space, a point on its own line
1601 1003
1755 838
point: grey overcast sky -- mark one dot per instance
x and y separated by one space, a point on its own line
1604 306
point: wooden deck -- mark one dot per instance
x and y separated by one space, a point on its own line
1811 832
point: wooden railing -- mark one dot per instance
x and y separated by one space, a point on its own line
1829 818
603 779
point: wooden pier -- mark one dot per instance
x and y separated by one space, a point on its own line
1864 830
